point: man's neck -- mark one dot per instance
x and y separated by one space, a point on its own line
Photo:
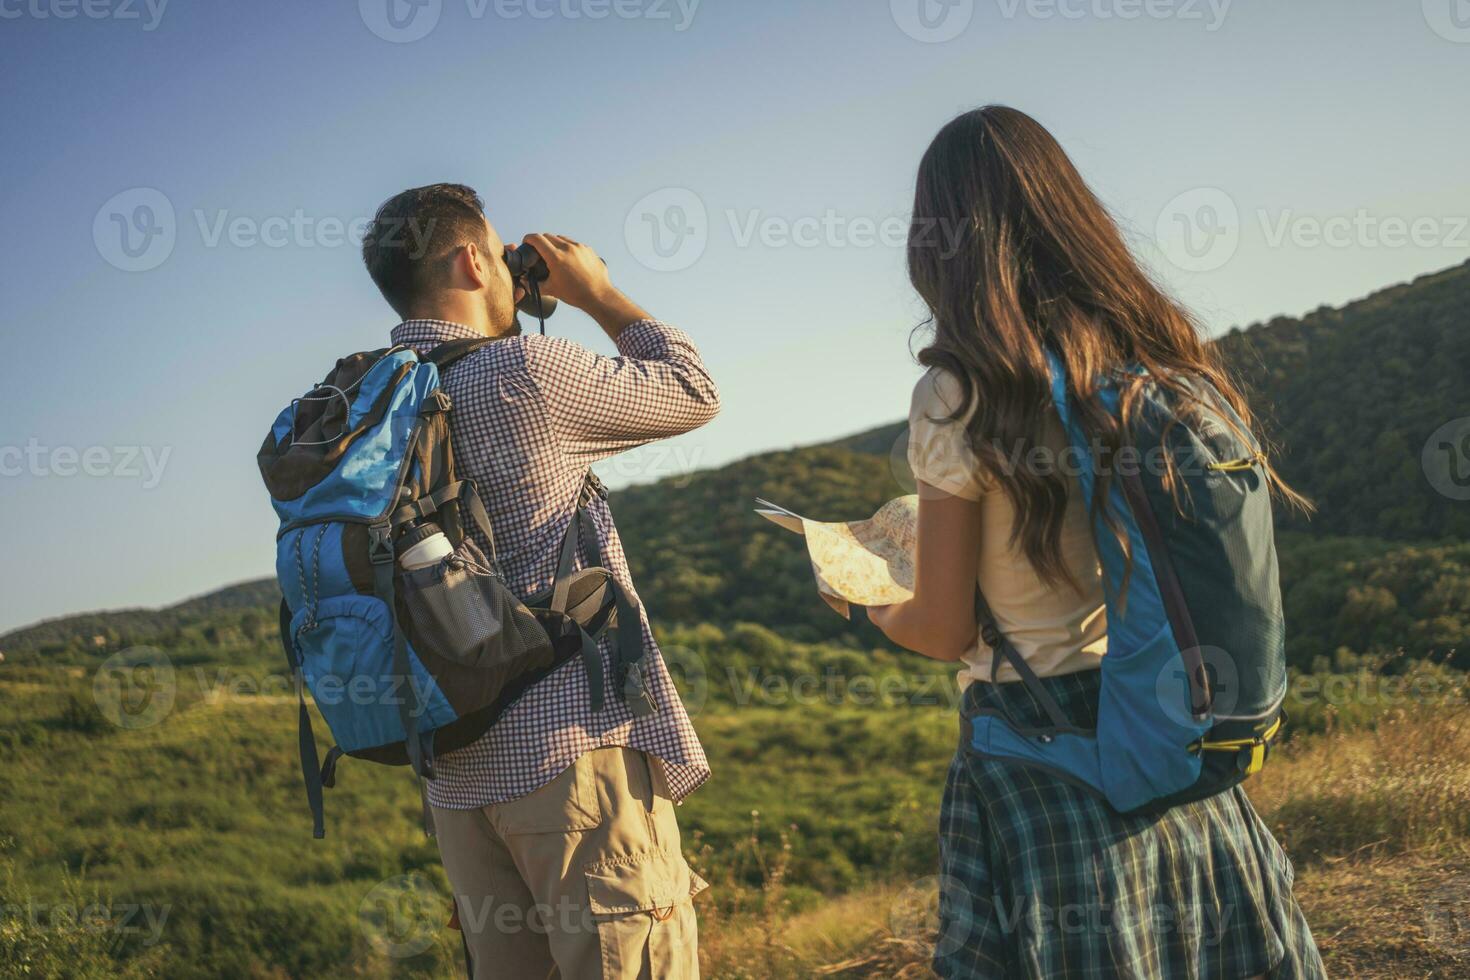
480 324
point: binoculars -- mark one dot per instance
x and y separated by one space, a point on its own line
528 268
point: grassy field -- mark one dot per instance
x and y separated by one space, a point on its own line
1376 819
177 843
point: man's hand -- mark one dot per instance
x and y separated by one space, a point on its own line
577 276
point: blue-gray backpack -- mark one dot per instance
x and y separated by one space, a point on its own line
409 660
1194 676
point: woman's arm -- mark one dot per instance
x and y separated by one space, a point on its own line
939 621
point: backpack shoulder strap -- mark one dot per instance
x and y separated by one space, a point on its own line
1001 647
453 350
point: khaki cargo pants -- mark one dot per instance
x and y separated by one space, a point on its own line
579 880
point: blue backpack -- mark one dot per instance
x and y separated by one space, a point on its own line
409 659
1194 677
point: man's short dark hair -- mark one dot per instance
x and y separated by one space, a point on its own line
413 234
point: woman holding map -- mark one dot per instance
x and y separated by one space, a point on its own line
1038 308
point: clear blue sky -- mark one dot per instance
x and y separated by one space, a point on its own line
782 137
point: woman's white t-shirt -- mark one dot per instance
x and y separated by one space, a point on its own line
1055 628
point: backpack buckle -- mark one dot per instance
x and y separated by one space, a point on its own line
592 489
635 693
380 544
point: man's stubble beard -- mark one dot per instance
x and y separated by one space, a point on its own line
503 317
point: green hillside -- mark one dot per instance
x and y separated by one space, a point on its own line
1350 395
77 639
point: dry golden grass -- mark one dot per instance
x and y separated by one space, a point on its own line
1401 916
1403 787
1377 823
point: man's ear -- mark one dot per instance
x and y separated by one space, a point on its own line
473 266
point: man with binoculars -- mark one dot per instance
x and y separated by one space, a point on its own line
556 827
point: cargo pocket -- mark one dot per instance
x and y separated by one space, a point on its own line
642 906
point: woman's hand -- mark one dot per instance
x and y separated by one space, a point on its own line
882 616
939 621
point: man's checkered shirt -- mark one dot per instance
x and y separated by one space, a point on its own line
531 414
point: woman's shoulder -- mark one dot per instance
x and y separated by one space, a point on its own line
939 450
940 394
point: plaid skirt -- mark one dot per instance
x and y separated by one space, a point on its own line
1040 878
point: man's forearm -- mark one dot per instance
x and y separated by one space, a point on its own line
615 312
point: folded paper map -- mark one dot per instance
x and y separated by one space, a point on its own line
870 563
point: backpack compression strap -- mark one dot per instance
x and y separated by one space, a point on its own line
305 739
629 636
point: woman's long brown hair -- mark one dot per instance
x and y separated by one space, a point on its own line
1014 254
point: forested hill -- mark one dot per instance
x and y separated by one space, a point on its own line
1349 395
248 605
1353 394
